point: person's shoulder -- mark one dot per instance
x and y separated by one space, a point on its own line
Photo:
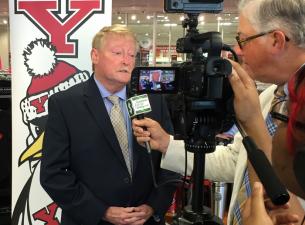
73 92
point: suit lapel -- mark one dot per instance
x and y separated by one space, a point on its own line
97 109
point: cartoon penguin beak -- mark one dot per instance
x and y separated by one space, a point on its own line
33 151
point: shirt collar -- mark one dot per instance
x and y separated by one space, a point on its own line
105 93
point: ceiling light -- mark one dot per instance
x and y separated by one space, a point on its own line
138 21
170 24
4 21
133 17
148 17
226 24
201 18
181 18
119 17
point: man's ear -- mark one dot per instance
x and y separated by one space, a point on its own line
94 56
279 40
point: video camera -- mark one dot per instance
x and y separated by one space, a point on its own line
201 101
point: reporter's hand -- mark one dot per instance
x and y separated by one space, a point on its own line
155 135
246 100
254 212
257 211
144 213
279 214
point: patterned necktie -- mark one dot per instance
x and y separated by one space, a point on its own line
119 125
243 193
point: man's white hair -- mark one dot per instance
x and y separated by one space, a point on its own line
285 15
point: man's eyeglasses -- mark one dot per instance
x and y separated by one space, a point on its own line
242 42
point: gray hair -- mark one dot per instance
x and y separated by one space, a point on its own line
285 15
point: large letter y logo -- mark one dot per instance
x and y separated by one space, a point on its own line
58 19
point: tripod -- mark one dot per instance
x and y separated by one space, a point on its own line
196 213
201 108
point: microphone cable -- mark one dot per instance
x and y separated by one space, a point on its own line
156 185
148 148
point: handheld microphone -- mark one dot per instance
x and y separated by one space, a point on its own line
137 106
276 191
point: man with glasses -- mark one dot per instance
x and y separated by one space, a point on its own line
271 43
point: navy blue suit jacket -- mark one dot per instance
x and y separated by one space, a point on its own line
83 169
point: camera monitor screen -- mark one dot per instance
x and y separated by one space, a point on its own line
157 80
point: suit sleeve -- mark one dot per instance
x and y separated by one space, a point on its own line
58 180
161 197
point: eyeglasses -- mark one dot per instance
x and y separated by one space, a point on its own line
242 42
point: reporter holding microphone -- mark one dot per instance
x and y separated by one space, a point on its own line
288 154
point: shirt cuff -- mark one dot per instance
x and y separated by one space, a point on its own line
174 157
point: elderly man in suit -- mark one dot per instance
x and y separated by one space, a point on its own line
91 165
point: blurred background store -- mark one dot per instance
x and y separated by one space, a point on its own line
156 31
